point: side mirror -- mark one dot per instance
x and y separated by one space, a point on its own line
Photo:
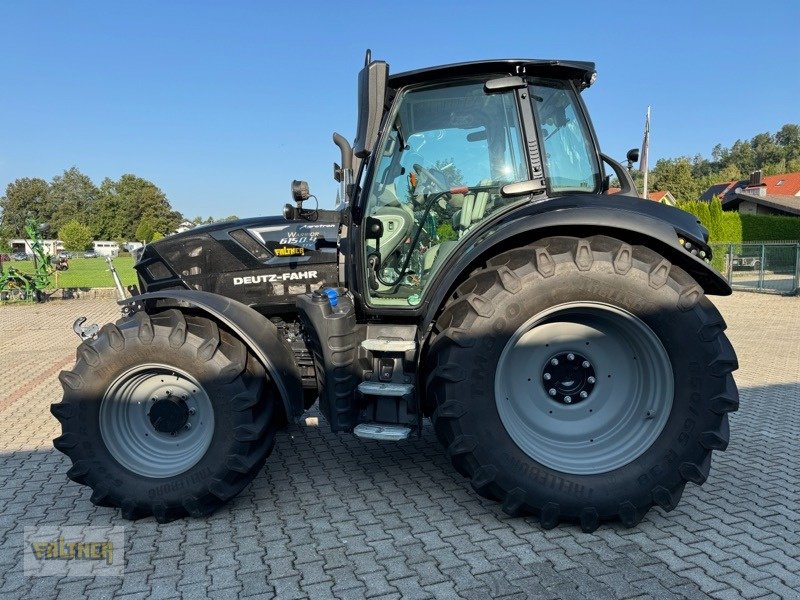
632 156
372 81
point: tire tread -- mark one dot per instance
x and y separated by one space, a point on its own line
505 271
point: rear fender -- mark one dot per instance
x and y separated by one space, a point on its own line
256 331
631 220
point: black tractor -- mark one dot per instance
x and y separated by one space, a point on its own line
475 272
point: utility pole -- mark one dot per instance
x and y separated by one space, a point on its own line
645 151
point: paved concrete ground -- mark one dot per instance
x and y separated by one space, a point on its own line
335 516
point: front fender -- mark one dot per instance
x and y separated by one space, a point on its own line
256 331
632 220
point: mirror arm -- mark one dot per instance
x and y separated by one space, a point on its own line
625 180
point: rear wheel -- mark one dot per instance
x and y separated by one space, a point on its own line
581 380
165 415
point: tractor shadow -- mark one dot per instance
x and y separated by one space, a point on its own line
312 470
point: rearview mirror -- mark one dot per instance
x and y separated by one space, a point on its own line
633 155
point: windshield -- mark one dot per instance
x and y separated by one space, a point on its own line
449 150
570 159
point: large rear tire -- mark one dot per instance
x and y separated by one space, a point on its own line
165 415
581 380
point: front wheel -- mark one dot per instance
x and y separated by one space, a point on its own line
165 415
581 380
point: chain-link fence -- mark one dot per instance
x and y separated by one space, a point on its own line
760 267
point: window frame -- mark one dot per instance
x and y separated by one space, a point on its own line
582 113
368 171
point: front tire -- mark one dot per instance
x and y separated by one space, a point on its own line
581 380
165 415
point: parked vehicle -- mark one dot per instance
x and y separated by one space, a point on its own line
20 256
477 273
90 254
59 263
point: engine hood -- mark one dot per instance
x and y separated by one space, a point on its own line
259 261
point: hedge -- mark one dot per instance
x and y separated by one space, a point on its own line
733 227
768 228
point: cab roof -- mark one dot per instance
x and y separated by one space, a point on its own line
566 69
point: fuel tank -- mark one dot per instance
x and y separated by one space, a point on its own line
262 262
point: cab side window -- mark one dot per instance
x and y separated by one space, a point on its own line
570 159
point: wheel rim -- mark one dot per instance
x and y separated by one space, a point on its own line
156 420
609 406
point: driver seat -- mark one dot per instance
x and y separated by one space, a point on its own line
473 209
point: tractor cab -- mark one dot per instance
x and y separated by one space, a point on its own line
442 152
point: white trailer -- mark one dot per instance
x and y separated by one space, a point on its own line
106 248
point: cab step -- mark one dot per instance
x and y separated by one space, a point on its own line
388 345
381 431
377 388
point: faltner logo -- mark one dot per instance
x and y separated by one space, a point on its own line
254 279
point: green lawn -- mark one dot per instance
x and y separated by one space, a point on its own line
84 272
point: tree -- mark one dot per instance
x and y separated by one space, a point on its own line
157 236
451 173
76 236
125 202
199 220
144 231
72 195
715 218
109 219
675 175
5 246
24 198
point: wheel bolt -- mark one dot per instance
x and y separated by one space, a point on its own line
554 362
585 364
590 379
583 394
192 411
552 391
570 356
547 376
568 399
188 426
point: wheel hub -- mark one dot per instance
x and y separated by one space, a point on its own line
156 420
625 408
568 377
169 414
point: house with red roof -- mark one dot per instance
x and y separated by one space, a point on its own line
662 197
762 195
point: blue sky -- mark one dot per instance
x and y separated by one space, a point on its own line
222 104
